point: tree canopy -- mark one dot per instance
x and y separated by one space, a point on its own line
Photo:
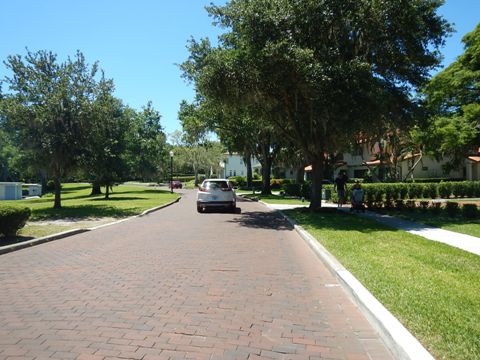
453 97
320 72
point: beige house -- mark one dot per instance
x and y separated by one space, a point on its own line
472 168
370 158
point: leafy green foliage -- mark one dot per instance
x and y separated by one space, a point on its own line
470 211
146 144
453 97
319 72
452 208
13 219
47 110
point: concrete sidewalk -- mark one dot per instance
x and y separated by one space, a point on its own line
458 240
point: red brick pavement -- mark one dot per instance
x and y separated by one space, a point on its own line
179 285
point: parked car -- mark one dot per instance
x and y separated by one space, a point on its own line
216 193
175 184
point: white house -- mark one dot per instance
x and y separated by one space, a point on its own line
233 165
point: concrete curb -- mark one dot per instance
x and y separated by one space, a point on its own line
41 240
64 234
402 344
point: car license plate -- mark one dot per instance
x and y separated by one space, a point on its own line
213 197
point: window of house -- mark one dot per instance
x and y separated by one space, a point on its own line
230 172
234 172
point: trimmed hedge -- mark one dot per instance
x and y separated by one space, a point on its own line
13 219
292 189
470 211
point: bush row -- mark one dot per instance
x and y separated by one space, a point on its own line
453 209
241 182
403 191
13 219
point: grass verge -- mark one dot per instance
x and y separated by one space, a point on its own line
441 220
79 209
430 287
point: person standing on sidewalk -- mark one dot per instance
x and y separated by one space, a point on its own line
340 185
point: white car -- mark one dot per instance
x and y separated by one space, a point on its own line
216 193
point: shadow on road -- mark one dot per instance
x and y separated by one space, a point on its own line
262 220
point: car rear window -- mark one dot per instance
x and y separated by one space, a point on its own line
215 185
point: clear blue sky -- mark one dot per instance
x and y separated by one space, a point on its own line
139 42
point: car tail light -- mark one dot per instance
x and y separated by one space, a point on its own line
202 189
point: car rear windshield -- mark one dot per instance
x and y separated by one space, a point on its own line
215 185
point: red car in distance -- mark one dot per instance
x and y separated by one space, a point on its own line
175 184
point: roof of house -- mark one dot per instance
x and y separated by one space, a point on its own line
474 158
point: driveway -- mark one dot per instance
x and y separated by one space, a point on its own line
176 284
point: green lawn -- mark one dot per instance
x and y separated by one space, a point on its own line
431 288
277 199
79 207
441 220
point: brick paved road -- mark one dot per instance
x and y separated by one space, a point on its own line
179 285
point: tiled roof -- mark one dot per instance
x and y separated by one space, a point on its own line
474 158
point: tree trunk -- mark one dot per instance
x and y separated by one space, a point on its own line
196 176
300 174
266 169
96 189
58 191
318 165
43 182
248 164
107 191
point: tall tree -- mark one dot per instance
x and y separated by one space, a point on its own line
453 96
48 105
321 72
146 148
103 153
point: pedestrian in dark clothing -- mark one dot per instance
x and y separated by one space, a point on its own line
340 185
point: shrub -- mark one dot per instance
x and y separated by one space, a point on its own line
403 191
389 193
379 195
238 180
399 204
476 188
424 205
436 207
306 189
292 189
470 189
257 184
452 208
470 211
415 191
370 196
410 204
430 190
445 190
13 219
459 189
278 183
50 186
